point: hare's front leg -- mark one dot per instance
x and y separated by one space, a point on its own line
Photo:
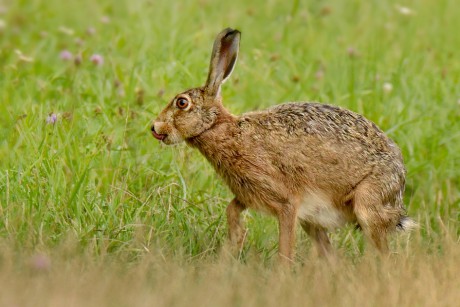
287 217
236 231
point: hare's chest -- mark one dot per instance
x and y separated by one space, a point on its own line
318 209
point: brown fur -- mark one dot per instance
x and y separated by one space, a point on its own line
272 159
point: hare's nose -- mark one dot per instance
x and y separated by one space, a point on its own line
157 127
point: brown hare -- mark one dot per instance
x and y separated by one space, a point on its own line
319 164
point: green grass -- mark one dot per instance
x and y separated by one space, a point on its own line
97 178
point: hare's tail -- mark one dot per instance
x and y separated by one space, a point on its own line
407 224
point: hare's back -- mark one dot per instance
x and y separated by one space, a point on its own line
323 119
323 122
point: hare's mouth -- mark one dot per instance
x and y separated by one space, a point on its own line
160 137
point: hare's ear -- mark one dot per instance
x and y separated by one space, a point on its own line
223 59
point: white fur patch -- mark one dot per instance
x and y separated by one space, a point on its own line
318 209
407 224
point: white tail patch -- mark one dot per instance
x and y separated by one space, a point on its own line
407 224
318 209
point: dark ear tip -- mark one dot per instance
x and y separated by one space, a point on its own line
230 32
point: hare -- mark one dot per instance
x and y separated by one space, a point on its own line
318 164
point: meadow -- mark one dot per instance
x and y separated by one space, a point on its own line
95 212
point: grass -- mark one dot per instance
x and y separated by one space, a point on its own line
415 279
99 200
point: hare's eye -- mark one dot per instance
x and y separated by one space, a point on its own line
182 103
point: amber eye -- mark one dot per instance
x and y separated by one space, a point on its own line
182 103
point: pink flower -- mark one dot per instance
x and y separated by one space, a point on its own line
319 75
352 52
97 59
40 262
91 31
66 55
51 119
105 19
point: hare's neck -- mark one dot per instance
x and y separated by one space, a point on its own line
217 144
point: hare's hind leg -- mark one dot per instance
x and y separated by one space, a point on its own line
376 214
319 236
236 231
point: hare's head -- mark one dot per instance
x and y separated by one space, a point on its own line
194 111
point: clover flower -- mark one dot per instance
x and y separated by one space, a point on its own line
51 119
66 55
97 59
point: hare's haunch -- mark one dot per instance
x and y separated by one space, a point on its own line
319 164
